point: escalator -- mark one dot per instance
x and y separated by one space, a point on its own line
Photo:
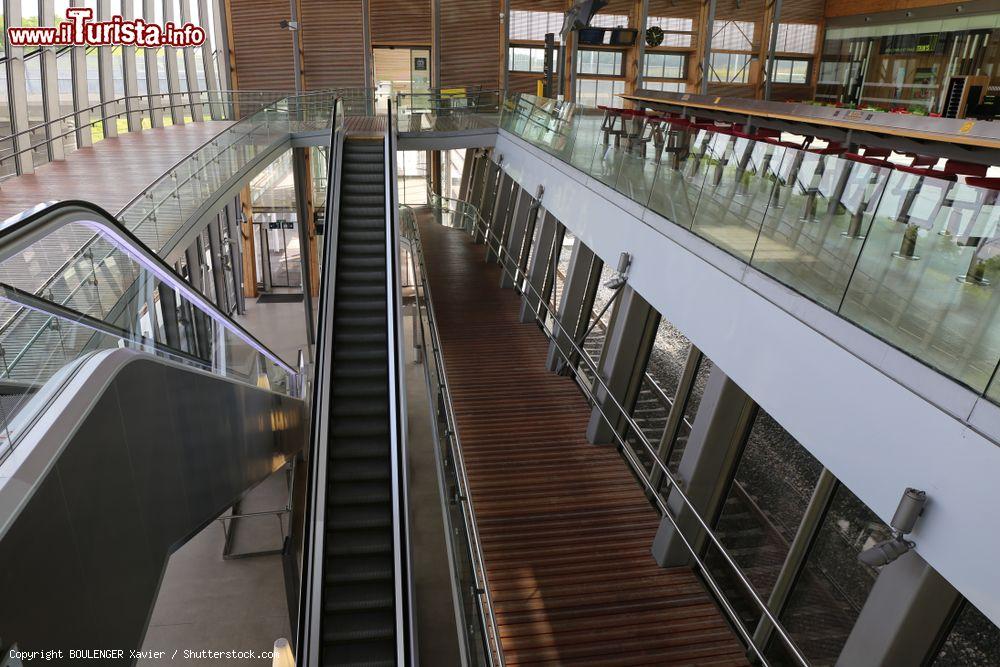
134 442
355 595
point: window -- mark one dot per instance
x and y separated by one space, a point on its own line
677 32
972 640
729 67
665 86
796 38
609 21
791 70
532 25
529 59
602 63
599 92
733 36
665 66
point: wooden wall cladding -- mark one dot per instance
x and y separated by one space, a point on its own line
855 7
400 22
470 43
523 82
262 50
539 5
333 44
802 11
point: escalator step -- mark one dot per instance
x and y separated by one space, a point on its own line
359 469
359 595
349 428
353 517
347 568
360 493
360 542
359 626
342 449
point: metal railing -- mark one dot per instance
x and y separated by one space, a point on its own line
620 424
450 452
220 105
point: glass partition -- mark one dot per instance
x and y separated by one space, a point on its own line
908 255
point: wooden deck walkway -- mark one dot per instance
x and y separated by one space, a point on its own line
111 172
566 530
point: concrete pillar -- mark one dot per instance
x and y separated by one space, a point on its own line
623 361
576 304
130 76
724 417
676 415
518 242
467 167
548 233
208 64
50 86
173 72
81 97
17 87
152 73
474 193
218 265
190 71
490 183
502 204
903 616
105 68
202 330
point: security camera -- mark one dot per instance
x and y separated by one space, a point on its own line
910 508
288 25
621 274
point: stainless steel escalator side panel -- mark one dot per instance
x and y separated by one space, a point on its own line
131 458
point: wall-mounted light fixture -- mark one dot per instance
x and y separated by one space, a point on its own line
911 507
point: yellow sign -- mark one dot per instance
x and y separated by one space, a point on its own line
966 126
716 100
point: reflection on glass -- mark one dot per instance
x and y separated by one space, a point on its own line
973 640
762 512
828 596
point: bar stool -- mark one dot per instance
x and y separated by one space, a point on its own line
812 190
976 273
793 168
612 125
908 244
959 168
633 128
654 132
863 202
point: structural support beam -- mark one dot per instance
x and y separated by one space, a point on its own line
190 69
130 76
504 200
706 469
638 11
50 86
173 74
81 98
17 91
707 20
234 248
490 182
208 63
152 73
768 43
248 239
106 83
576 303
548 233
627 344
903 617
218 265
467 164
677 409
522 227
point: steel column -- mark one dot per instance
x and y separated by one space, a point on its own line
152 73
303 189
130 75
676 417
498 218
50 86
17 93
81 96
707 466
576 304
521 226
105 70
173 75
545 237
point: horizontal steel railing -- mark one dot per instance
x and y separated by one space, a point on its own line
669 486
490 628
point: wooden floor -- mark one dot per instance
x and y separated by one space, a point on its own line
566 530
111 172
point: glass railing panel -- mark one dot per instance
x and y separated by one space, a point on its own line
811 242
924 281
607 162
638 172
680 178
740 176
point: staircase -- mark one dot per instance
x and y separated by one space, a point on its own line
359 616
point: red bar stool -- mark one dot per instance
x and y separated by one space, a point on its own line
925 177
812 189
862 202
959 168
612 125
976 273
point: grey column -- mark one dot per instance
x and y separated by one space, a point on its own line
519 238
623 362
173 75
202 330
479 168
168 306
545 239
205 52
130 76
152 72
218 265
50 86
467 167
17 88
498 220
190 68
105 70
575 304
724 417
485 206
81 97
903 616
303 193
232 238
676 416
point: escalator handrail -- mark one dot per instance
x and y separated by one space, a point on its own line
311 571
19 233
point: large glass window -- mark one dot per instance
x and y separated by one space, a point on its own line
774 481
829 593
609 21
973 640
529 59
599 92
532 26
733 35
791 70
729 67
677 32
665 66
603 63
795 38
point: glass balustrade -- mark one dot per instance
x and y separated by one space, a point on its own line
911 256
